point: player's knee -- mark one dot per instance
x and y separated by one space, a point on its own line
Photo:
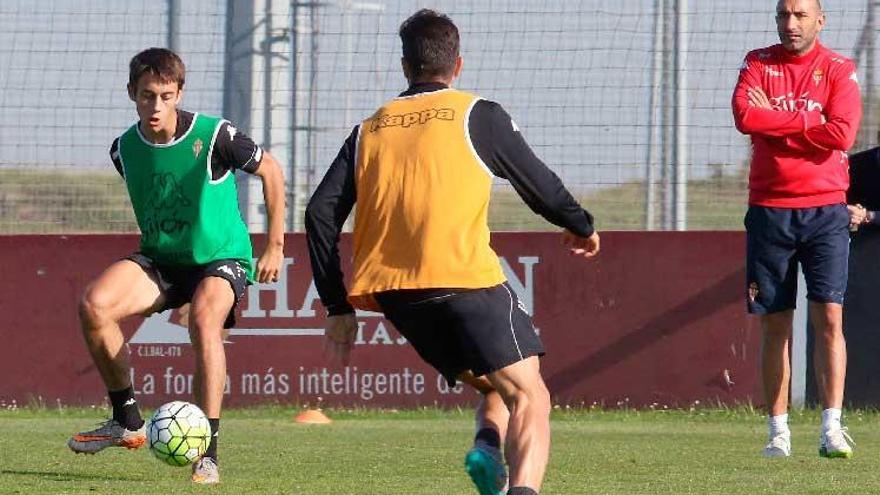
535 398
542 398
829 331
828 323
776 328
205 327
95 308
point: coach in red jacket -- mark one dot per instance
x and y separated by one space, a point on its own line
799 102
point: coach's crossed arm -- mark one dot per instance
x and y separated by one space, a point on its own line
842 117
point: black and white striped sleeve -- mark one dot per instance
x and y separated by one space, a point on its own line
115 158
234 150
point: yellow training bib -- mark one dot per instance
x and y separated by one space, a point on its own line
422 200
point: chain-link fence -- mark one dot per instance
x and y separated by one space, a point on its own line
591 83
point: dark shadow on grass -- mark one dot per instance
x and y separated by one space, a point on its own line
60 476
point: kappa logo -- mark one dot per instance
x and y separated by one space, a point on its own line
407 120
232 131
237 272
854 78
166 193
197 148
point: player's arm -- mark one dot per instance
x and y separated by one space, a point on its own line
326 214
269 263
116 158
843 114
234 150
752 112
499 144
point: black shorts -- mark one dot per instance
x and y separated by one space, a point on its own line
455 330
178 284
778 238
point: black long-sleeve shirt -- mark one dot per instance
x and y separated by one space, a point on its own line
500 145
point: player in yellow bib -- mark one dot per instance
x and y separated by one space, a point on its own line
418 173
194 248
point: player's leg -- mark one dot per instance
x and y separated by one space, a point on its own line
771 278
499 341
484 462
527 446
430 321
124 289
829 358
775 360
776 376
213 302
825 256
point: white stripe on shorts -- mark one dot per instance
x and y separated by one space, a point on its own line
510 319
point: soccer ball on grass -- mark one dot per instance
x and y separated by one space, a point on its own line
178 433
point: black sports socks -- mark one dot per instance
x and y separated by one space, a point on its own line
215 437
125 409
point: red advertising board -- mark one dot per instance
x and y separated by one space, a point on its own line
657 318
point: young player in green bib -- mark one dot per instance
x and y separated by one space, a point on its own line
194 248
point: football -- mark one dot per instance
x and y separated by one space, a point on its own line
178 433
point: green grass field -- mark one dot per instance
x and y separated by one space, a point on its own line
420 452
717 203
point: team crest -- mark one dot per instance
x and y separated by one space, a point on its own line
197 148
753 291
817 76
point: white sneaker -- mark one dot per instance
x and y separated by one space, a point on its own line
836 443
205 472
779 445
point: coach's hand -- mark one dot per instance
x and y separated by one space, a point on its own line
758 98
269 264
857 215
340 331
581 246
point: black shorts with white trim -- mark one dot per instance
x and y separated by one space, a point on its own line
456 330
179 284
